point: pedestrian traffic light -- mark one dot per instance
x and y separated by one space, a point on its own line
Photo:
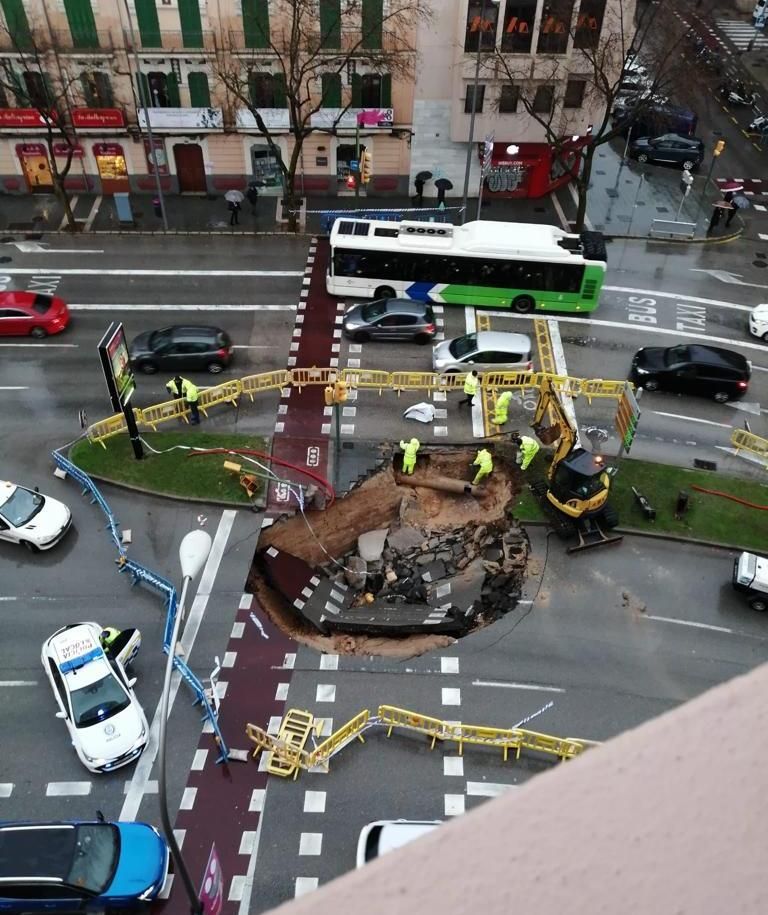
719 147
366 167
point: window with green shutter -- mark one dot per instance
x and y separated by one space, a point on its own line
357 91
281 100
330 23
331 90
97 89
199 93
82 25
191 26
256 23
373 14
16 20
149 27
172 88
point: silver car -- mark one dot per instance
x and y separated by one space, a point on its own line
486 351
390 319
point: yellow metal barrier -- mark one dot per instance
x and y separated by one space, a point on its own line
366 378
392 717
544 345
106 428
226 392
163 412
301 377
346 733
266 381
596 387
418 381
747 441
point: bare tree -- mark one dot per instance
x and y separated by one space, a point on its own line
604 65
43 86
309 56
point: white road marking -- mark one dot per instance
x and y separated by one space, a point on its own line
453 765
47 345
560 213
143 768
487 789
99 306
6 789
449 665
674 295
534 687
454 805
36 247
575 197
762 237
92 215
13 387
691 419
18 682
694 625
311 843
117 271
304 885
67 789
451 695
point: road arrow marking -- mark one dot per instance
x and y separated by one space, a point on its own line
746 407
725 277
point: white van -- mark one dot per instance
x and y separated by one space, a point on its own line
381 836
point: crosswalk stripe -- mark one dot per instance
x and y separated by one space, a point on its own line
741 33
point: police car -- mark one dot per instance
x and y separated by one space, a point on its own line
29 517
95 698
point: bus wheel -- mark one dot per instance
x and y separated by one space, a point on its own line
384 292
523 304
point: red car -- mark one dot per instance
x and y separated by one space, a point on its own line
29 314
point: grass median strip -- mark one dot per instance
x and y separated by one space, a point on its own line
708 517
173 472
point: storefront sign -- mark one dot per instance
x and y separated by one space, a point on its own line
184 118
338 117
107 149
506 178
98 117
31 149
272 117
62 149
159 157
23 117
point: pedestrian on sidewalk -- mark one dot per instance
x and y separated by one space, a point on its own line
471 383
183 388
234 209
718 209
253 197
419 185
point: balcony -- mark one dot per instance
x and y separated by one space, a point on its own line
328 118
391 42
182 118
174 42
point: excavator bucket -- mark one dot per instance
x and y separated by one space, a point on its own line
547 435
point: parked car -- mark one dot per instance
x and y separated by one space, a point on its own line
386 835
668 149
182 347
654 118
758 322
31 314
485 351
80 866
692 369
29 517
390 319
95 697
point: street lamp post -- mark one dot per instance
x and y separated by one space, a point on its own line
475 84
193 552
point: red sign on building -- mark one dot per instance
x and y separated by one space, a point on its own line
62 149
23 117
98 117
107 149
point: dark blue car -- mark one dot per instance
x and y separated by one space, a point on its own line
49 867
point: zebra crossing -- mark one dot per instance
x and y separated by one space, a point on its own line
741 33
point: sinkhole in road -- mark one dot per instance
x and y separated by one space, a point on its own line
401 564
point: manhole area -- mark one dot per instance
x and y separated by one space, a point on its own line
402 564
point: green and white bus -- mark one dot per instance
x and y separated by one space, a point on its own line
522 266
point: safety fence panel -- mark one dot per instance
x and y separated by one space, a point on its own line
164 412
494 380
340 738
227 392
596 387
392 717
562 747
301 377
106 428
266 381
747 441
366 378
419 381
504 739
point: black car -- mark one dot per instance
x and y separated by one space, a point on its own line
390 319
182 347
692 369
669 149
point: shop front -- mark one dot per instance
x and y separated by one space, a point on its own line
530 169
110 164
35 167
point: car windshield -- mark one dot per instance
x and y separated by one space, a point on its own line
98 701
463 345
676 354
160 340
95 857
375 309
42 304
22 507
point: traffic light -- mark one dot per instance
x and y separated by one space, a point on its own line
328 395
340 392
719 147
366 167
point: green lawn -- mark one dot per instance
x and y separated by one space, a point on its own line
708 517
172 473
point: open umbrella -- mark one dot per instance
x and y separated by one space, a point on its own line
234 196
730 187
740 202
443 184
424 176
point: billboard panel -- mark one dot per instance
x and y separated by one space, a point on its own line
113 352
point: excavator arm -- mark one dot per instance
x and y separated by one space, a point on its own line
560 431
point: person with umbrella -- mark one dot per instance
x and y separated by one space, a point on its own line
419 182
442 185
234 200
737 202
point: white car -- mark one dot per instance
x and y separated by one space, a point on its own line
29 517
758 322
95 698
382 836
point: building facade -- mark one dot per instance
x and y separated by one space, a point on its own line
526 46
94 58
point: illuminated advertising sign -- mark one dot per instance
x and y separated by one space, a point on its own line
113 353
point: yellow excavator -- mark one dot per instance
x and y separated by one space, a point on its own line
578 481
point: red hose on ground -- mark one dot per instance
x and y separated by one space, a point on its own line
725 495
275 460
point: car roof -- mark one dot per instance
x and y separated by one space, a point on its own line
17 297
407 306
195 330
714 355
36 850
501 340
79 655
395 833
